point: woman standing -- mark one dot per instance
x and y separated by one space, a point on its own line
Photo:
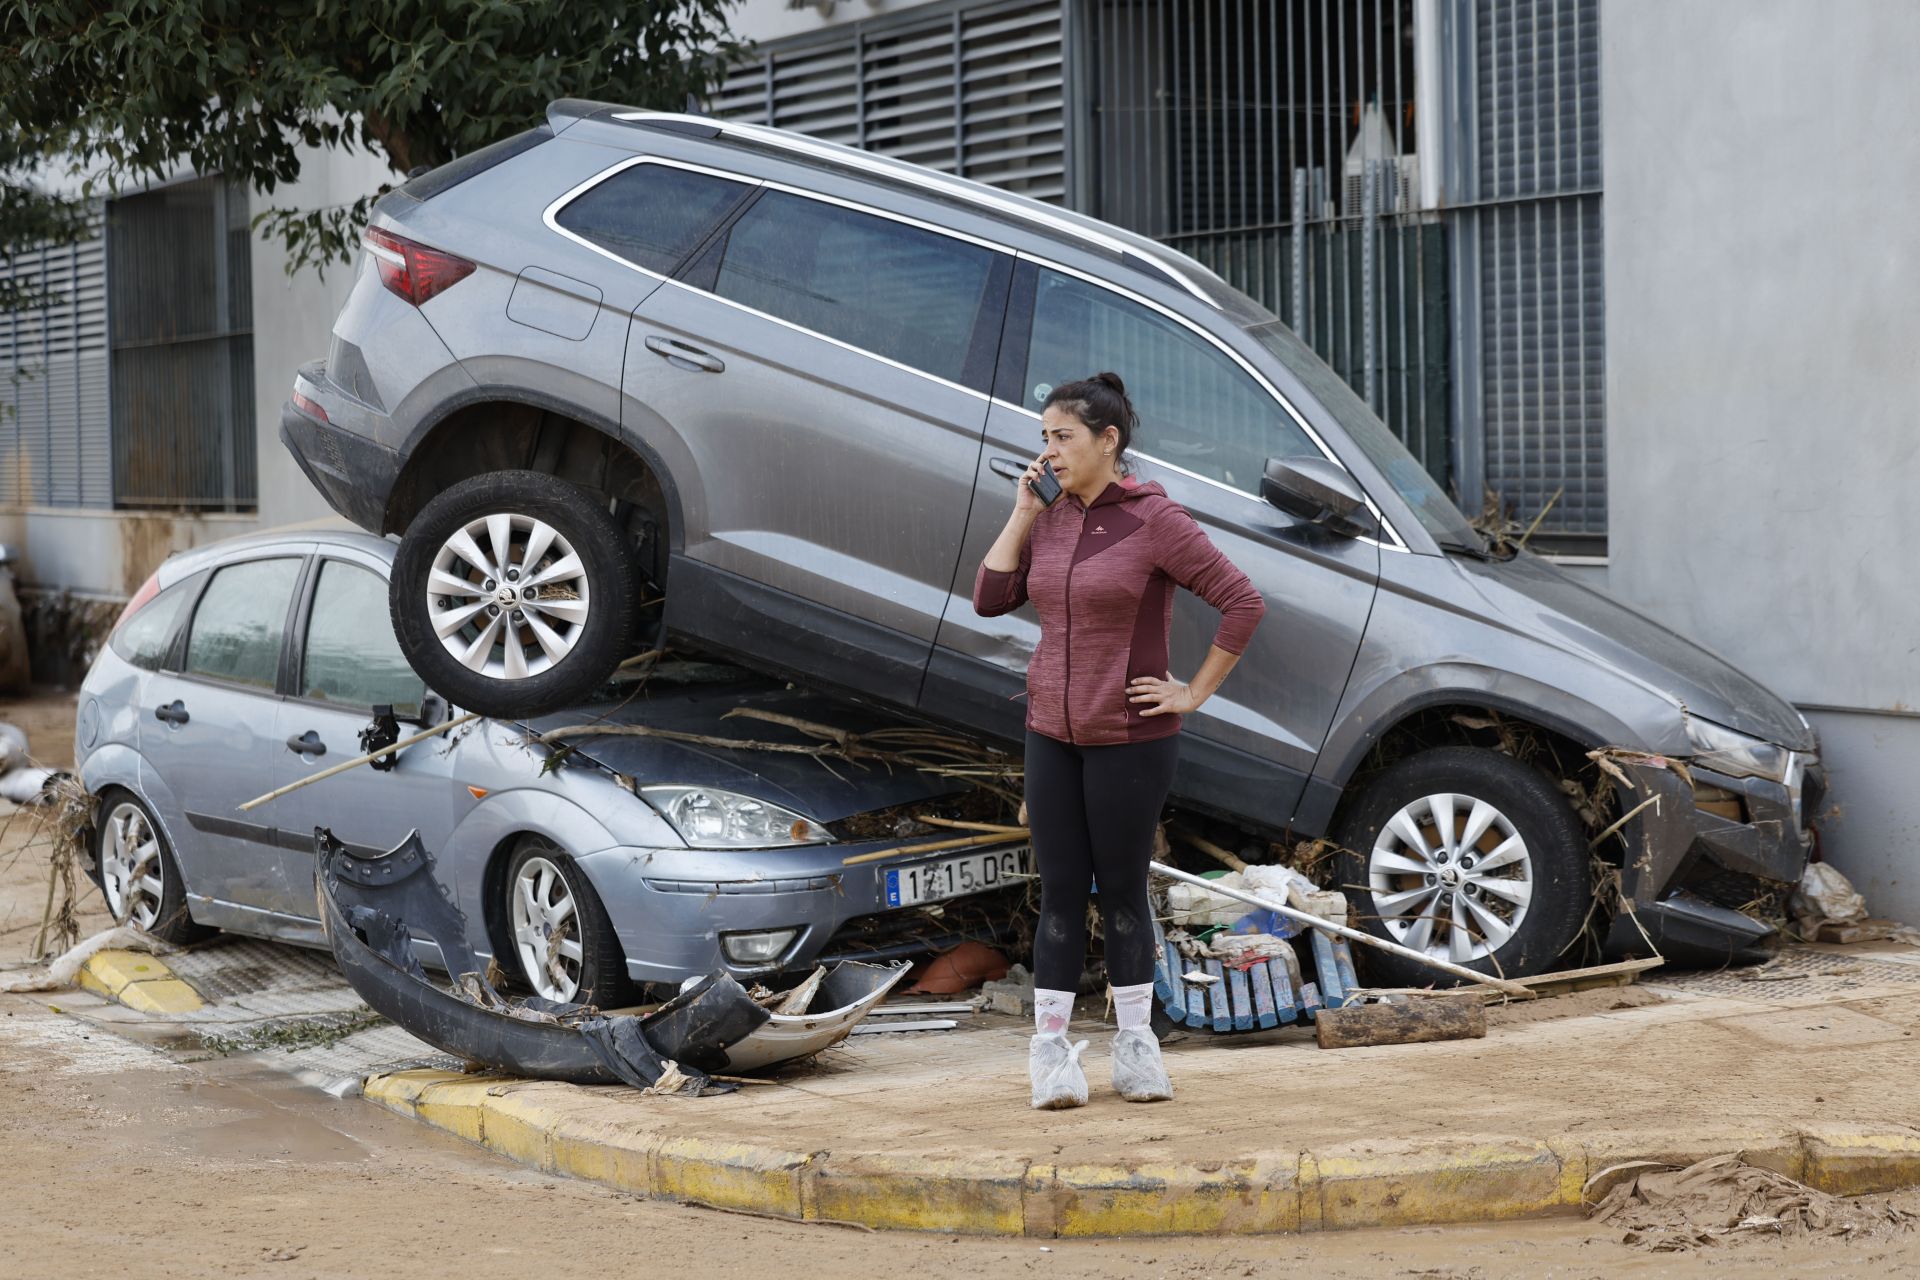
1103 712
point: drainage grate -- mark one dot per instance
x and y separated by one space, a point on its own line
1797 973
245 967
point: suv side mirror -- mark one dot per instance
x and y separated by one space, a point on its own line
1319 492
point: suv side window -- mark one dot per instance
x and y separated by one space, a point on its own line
910 295
351 656
240 622
1198 409
652 214
144 639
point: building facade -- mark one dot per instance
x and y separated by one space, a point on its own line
1621 267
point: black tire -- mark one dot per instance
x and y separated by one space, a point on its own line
1554 865
120 811
599 642
602 971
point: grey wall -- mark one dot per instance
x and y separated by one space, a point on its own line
1763 302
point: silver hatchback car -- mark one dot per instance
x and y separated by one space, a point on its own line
246 665
787 388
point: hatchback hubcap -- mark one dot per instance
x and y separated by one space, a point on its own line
130 867
1451 876
544 930
507 596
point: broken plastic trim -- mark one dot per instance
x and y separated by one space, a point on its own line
375 909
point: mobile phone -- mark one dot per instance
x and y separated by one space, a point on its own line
1046 486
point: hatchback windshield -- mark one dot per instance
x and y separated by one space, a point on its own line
1403 471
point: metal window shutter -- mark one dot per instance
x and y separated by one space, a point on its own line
1543 310
55 442
977 92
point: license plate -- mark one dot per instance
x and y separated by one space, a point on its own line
957 877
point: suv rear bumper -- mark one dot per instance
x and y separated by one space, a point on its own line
1682 860
354 474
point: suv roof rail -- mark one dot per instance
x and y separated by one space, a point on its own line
1133 249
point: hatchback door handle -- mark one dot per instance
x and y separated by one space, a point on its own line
1009 468
307 744
174 713
682 356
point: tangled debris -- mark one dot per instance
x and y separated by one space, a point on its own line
60 822
1667 1209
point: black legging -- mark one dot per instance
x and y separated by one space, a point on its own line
1092 811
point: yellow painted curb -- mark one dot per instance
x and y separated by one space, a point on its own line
139 981
594 1134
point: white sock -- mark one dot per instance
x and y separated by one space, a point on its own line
1052 1010
1133 1006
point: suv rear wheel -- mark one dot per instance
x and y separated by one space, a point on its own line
513 594
1467 855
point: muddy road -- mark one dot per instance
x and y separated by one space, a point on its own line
133 1159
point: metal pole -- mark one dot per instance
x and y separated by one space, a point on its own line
1300 253
1352 935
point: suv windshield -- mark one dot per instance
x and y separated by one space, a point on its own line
1403 471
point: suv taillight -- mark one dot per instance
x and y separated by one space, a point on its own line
413 270
148 590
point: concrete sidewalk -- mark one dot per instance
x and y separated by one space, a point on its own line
1268 1133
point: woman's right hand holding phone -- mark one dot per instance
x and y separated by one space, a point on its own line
1026 502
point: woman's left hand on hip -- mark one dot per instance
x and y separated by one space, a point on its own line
1161 697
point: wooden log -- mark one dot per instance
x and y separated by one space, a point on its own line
1368 1024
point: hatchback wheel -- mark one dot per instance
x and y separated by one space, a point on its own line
138 874
1466 855
562 944
513 594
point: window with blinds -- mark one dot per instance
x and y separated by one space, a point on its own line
54 437
976 92
180 289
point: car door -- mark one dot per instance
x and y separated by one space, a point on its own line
208 734
1207 426
817 378
344 660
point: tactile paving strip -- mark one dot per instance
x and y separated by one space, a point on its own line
1813 973
244 966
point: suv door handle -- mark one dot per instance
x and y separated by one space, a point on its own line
1008 467
174 713
307 744
682 356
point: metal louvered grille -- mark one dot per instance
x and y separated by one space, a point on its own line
1280 144
975 92
181 288
1536 97
54 437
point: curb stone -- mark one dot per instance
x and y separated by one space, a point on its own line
563 1130
140 981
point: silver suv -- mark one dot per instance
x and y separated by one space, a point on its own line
631 356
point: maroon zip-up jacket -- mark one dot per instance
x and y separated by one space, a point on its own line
1102 579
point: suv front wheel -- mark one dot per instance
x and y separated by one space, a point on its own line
1467 855
512 594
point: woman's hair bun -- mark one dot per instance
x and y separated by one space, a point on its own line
1111 380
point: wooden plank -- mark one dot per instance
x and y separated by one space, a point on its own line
1413 1022
1265 1014
912 1024
1326 971
1166 981
1310 1002
1343 960
1220 1013
1284 972
1240 992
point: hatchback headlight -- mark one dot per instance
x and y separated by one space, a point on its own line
1719 748
707 818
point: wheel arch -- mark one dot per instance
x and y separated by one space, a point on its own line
499 428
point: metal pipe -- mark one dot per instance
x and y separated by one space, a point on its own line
1503 985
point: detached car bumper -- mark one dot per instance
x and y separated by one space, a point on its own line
675 910
1700 852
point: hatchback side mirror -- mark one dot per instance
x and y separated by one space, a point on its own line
1319 492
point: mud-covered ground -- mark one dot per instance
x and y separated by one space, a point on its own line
123 1160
